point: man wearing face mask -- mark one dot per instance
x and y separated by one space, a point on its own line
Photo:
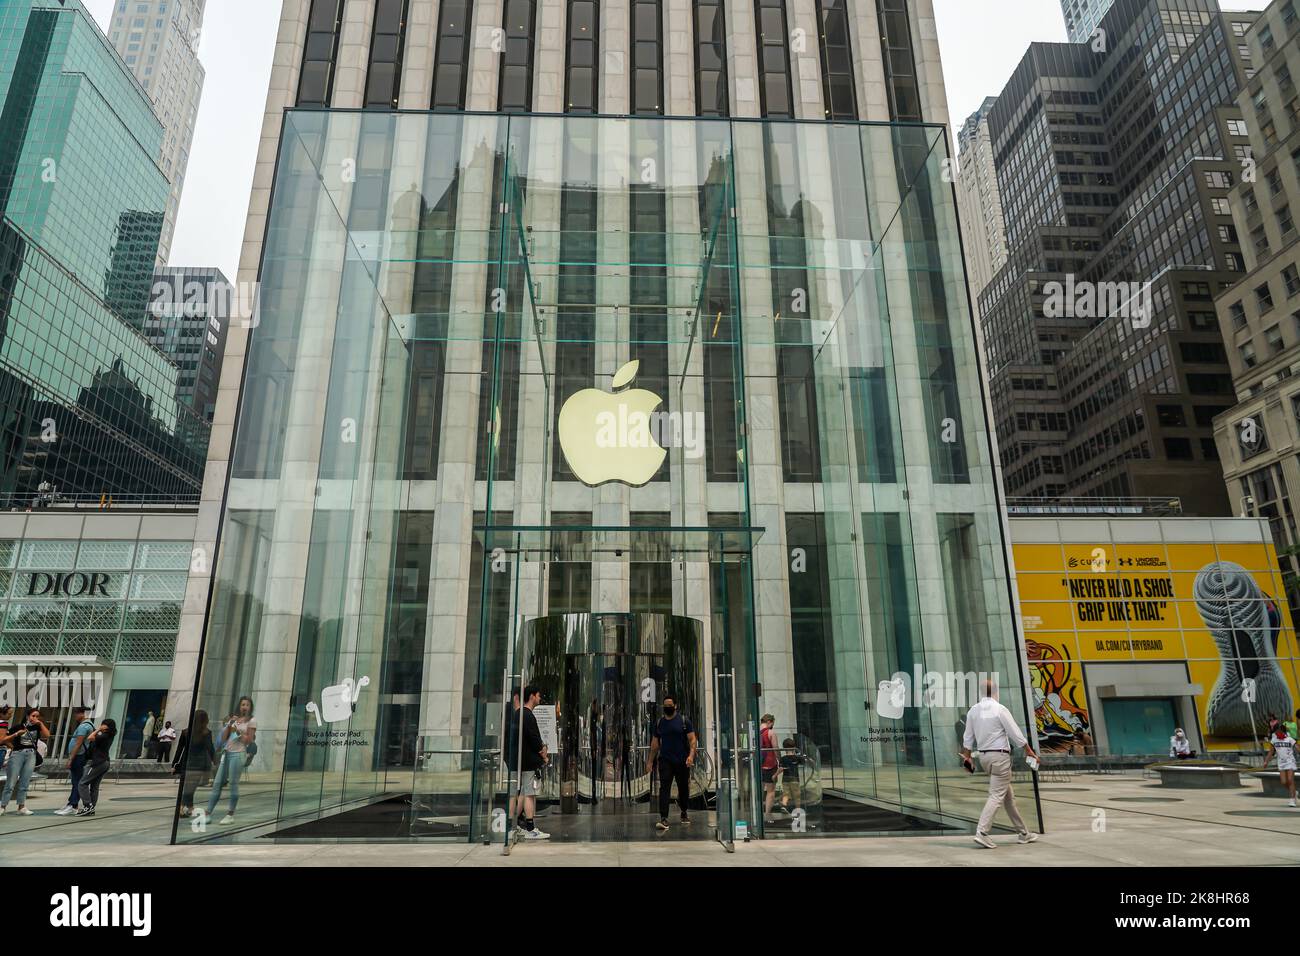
1179 746
674 746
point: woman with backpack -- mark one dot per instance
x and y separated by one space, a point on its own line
195 759
238 743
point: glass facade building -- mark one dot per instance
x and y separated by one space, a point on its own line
87 405
625 407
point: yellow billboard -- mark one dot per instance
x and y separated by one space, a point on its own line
1217 608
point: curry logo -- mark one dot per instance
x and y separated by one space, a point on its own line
336 702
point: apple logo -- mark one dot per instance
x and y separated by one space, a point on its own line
607 436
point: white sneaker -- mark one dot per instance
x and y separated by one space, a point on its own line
2 811
24 812
1291 802
536 835
983 840
1028 838
66 811
228 818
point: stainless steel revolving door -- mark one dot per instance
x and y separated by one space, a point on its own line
606 676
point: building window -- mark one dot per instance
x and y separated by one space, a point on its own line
451 60
837 60
384 74
1248 355
1292 279
324 24
710 59
1273 336
1285 222
516 83
900 63
1264 298
775 94
581 74
647 57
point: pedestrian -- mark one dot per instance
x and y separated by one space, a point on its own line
5 711
1293 726
770 762
1180 748
1283 745
24 737
674 745
991 730
77 756
238 734
166 737
147 747
791 765
512 757
98 765
532 758
195 758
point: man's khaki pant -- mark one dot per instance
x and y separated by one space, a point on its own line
1000 793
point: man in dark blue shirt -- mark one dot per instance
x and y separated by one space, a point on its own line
674 746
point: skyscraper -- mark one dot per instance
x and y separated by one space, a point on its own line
159 40
979 202
86 404
1082 17
1104 353
486 223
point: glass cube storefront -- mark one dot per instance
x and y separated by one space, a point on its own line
622 408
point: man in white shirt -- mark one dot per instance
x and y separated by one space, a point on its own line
992 731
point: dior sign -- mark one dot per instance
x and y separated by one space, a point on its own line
72 584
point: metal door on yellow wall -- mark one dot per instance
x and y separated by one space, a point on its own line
1140 725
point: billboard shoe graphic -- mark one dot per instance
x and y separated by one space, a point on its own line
336 702
1245 624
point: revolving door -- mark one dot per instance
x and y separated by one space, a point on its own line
603 679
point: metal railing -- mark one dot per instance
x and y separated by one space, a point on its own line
57 501
1094 506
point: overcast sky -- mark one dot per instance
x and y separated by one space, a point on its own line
981 42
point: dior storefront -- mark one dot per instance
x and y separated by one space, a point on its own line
90 604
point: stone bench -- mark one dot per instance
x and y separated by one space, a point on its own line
1198 776
1272 783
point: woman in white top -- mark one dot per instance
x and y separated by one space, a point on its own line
236 743
1282 744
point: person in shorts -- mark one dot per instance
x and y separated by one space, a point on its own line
1283 745
791 763
770 761
532 757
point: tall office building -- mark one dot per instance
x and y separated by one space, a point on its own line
488 228
1260 314
87 405
1106 363
189 312
159 42
1082 17
95 443
978 201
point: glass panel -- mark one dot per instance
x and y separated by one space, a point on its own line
501 395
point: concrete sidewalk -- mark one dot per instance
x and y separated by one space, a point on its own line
1109 820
